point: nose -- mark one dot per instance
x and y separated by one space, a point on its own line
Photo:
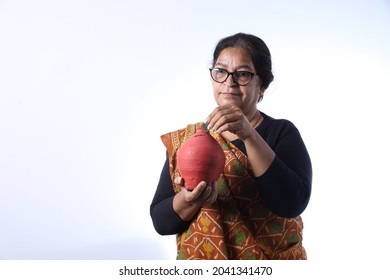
230 80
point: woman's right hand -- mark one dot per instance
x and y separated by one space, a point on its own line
187 203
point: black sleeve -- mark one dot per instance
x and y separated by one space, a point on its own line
286 185
165 219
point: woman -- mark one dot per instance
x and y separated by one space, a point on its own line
253 210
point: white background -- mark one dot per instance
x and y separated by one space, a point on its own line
87 88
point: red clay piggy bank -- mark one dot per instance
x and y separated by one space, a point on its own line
200 158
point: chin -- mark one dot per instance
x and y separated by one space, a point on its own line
225 101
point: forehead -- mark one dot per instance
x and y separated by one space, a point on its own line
234 57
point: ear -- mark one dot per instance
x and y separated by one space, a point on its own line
261 94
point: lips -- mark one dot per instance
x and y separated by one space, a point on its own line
230 94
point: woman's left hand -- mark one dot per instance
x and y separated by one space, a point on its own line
230 118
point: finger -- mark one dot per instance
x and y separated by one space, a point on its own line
197 192
208 199
179 181
212 197
207 192
217 113
212 115
214 194
224 116
232 125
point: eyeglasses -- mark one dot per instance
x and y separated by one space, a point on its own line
241 78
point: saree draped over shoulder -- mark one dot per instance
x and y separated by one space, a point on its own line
239 224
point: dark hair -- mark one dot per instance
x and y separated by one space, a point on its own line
256 48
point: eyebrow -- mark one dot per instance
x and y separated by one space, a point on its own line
239 67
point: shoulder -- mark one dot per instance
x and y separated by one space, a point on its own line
271 125
274 131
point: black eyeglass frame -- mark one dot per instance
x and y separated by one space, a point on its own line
232 74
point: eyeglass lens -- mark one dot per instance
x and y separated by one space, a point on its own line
239 77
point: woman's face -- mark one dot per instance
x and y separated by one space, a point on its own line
228 92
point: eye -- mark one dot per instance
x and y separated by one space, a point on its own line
220 71
243 74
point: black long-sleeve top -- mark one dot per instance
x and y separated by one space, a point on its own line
285 186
